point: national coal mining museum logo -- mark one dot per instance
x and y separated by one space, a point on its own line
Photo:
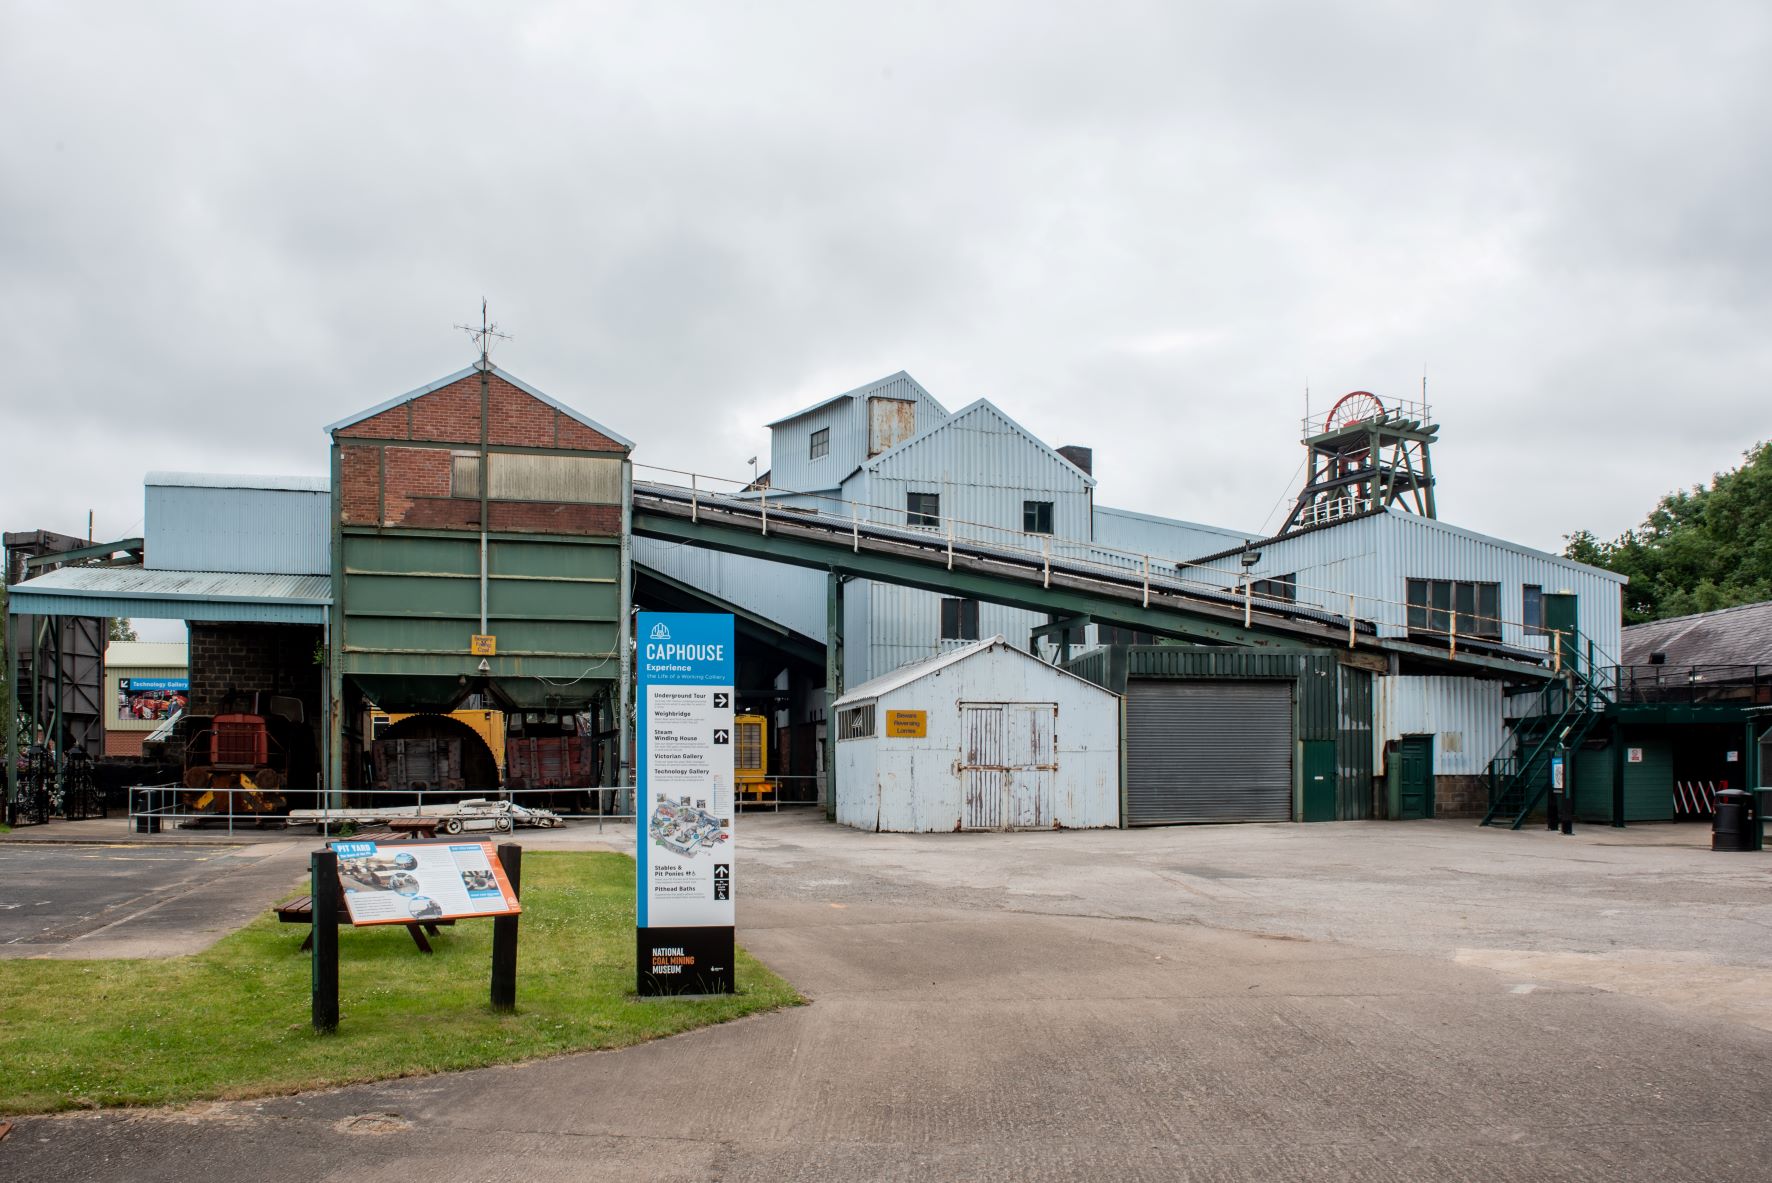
660 632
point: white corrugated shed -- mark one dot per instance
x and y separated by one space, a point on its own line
981 738
246 524
1464 715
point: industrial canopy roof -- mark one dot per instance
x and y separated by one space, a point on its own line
173 595
1729 636
440 383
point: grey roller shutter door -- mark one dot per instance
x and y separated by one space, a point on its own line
1208 752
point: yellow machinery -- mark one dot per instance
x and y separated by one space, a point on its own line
488 725
750 760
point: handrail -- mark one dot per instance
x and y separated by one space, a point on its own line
1089 554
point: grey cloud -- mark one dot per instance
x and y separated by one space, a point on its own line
1137 226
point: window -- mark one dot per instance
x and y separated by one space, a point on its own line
821 443
1280 587
959 620
922 509
1435 604
1532 608
1036 517
856 722
464 474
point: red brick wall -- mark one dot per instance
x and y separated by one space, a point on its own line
385 484
127 744
574 434
413 473
359 483
452 415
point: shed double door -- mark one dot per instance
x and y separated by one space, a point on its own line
1208 752
1008 764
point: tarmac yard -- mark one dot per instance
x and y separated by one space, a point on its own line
1412 1001
77 900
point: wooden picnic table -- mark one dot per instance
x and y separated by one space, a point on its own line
300 910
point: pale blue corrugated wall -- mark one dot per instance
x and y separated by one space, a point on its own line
257 531
1375 557
791 467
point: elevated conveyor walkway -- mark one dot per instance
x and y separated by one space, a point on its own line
1134 592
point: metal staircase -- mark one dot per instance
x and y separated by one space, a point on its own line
1560 720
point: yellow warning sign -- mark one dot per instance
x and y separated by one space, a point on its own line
483 646
907 724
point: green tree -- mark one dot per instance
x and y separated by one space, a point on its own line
122 630
1699 549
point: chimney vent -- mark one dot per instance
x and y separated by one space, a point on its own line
1083 458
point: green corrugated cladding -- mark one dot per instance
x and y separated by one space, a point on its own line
1648 785
1333 701
411 602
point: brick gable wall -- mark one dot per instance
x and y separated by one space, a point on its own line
384 484
451 415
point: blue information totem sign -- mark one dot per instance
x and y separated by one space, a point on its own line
685 804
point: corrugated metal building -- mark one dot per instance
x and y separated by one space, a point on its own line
817 448
1374 558
982 738
1229 735
238 523
980 475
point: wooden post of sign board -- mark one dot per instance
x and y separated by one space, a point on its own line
504 933
323 895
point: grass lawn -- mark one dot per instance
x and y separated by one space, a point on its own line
233 1021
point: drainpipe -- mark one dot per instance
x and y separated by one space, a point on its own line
833 688
333 784
485 473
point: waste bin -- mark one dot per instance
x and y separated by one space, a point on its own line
1730 824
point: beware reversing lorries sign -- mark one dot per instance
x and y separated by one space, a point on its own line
685 804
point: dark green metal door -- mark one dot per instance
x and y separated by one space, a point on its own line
1415 780
1319 780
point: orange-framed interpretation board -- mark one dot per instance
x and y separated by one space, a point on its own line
420 882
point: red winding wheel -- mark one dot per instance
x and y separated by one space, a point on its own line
1356 407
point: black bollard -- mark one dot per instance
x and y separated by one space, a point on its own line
504 933
323 894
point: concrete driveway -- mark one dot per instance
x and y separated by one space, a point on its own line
1262 1003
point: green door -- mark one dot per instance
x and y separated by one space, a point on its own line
1319 780
1415 778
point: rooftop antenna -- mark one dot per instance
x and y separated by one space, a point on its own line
484 335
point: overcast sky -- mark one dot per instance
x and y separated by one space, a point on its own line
1143 228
